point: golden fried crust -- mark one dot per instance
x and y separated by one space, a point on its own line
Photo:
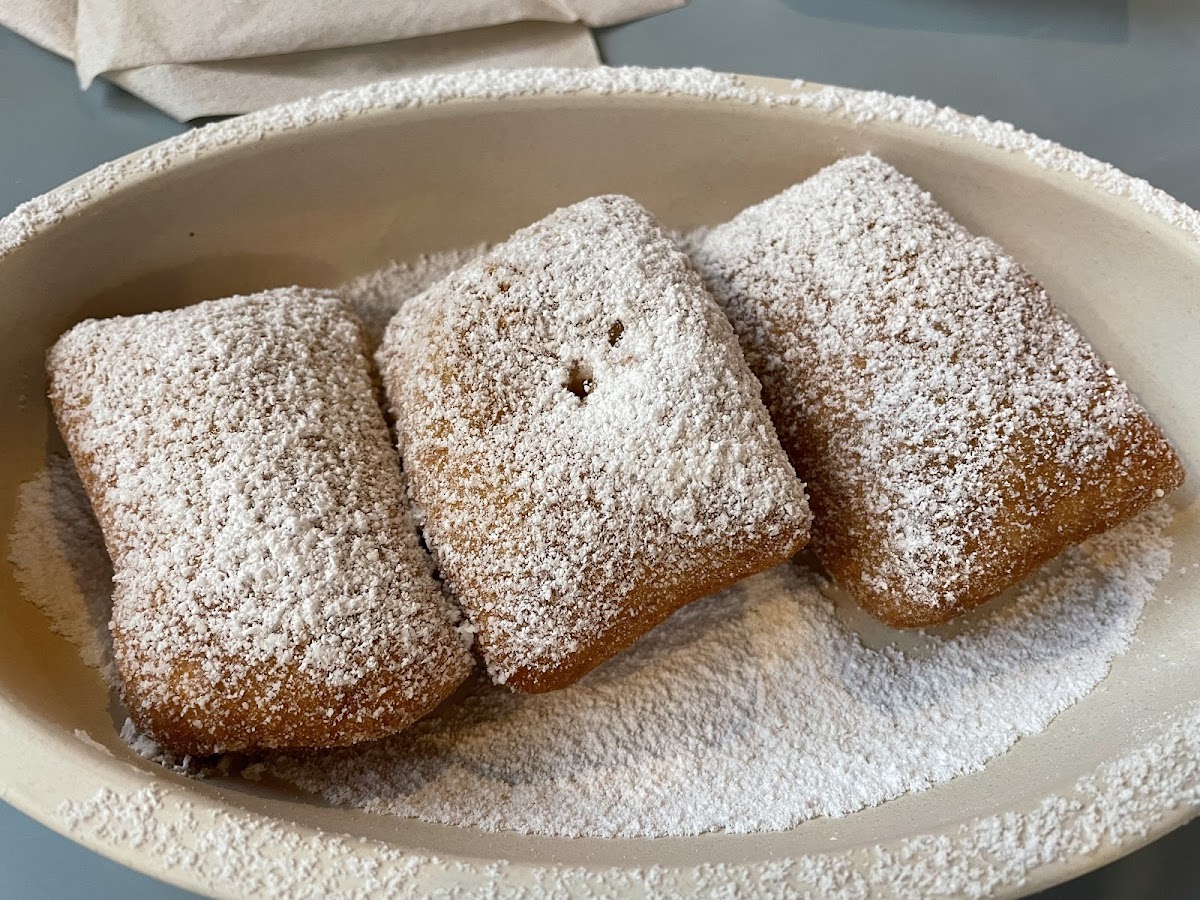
654 604
269 589
954 429
586 444
650 603
1106 494
271 708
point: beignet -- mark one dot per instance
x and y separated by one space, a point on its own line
584 441
954 429
269 588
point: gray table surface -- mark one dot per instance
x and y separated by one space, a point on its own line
1118 79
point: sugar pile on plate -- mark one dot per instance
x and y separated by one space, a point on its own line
774 702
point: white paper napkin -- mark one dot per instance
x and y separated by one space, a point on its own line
185 91
230 56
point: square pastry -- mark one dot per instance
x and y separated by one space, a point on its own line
954 429
584 441
270 590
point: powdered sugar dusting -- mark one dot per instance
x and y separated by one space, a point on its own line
243 855
378 295
232 852
768 671
59 560
55 544
226 852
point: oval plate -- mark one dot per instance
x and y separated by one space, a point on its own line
318 191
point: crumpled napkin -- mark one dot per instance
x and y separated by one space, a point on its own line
231 56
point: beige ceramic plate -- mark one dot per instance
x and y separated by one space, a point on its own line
318 191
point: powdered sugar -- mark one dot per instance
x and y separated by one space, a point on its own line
233 855
59 561
56 547
771 693
223 851
870 106
377 295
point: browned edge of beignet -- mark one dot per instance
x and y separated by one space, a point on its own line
657 604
